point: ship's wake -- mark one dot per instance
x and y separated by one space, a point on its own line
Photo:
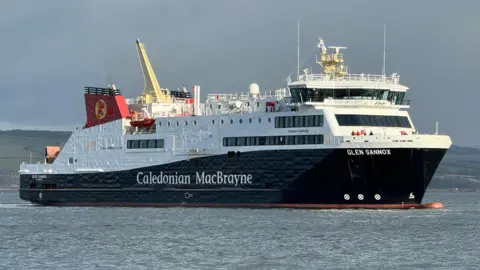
16 205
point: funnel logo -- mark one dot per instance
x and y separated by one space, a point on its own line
100 109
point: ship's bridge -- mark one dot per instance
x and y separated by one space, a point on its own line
337 87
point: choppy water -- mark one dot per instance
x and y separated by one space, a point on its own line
34 237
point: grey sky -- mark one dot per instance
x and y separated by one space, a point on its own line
50 50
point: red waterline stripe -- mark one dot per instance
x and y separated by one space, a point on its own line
239 205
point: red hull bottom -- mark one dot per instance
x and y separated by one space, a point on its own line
246 205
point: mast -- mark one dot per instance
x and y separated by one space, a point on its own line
298 48
384 47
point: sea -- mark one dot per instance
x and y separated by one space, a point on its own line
37 237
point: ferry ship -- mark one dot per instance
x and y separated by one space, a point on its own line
328 140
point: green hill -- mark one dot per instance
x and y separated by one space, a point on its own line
460 167
17 145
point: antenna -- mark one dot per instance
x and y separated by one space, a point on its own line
298 47
384 46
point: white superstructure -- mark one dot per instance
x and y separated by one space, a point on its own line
334 109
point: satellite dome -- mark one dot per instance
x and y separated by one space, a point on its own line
254 89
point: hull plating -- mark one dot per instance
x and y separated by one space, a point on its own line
315 178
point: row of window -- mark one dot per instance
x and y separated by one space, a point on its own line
300 95
273 140
280 121
141 144
373 120
231 121
299 121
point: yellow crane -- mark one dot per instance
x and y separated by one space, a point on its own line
152 88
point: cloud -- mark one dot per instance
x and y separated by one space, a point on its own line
52 49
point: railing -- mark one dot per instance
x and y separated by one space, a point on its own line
389 138
278 93
393 79
364 102
102 91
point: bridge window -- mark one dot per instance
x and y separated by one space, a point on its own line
273 140
144 144
373 120
300 95
299 121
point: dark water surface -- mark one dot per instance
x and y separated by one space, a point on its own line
33 237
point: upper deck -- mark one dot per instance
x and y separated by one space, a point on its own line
371 81
337 87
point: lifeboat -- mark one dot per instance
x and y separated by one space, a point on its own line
146 122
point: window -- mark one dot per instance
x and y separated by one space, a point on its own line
300 95
373 120
299 121
145 144
273 140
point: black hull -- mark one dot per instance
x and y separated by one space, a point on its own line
313 178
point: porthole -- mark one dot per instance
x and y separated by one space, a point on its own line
195 122
186 123
178 123
213 122
250 120
259 120
168 123
221 121
240 121
269 119
231 121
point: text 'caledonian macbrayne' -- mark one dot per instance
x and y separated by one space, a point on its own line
218 178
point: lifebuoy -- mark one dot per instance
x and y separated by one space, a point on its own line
163 114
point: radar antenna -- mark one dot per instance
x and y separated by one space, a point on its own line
332 63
